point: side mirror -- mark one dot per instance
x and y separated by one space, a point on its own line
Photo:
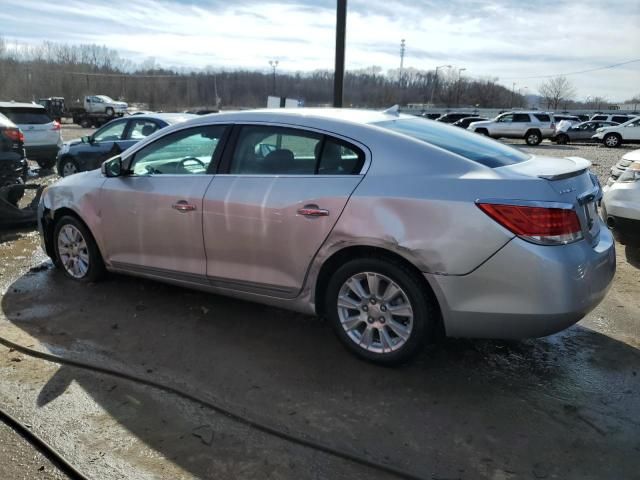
112 167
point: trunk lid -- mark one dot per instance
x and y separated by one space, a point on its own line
571 180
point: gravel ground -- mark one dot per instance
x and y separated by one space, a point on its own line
21 462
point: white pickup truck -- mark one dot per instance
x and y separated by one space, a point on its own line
96 110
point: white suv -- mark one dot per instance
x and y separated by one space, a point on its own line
621 200
628 132
532 126
42 138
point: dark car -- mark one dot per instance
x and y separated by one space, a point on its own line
88 153
581 132
465 122
13 163
431 116
453 117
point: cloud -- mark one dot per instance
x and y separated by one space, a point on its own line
489 38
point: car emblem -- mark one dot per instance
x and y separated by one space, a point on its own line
567 190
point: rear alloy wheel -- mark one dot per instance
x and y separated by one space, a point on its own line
85 123
612 140
68 167
562 139
379 310
109 111
533 137
76 252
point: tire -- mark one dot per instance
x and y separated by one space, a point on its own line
533 137
76 252
612 140
483 131
85 123
46 164
109 111
67 166
372 324
562 139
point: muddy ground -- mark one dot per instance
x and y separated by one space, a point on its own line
562 407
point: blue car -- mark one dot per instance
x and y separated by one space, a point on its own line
88 153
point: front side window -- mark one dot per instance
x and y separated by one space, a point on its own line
634 124
599 117
620 119
505 119
111 132
469 145
140 128
185 152
266 150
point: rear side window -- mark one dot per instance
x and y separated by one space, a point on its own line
27 116
339 158
543 117
139 129
472 146
521 117
599 117
619 119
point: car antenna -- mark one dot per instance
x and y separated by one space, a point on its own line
395 110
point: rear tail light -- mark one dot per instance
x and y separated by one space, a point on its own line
13 134
547 226
56 125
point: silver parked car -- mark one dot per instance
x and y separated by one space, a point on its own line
392 226
531 126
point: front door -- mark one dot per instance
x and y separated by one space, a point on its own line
272 206
152 217
103 144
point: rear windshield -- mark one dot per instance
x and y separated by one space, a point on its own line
26 116
472 146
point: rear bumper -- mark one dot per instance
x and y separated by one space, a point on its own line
42 152
527 290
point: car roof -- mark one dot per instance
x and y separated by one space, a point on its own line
170 118
20 105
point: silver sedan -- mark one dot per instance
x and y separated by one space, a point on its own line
394 227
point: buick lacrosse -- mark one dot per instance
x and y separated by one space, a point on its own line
394 227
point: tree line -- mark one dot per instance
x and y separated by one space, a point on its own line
29 72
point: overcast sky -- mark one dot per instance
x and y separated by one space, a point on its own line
508 39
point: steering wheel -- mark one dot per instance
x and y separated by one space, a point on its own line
183 162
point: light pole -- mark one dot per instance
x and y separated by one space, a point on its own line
341 33
513 93
435 81
460 70
274 65
402 49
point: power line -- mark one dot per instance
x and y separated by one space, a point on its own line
574 73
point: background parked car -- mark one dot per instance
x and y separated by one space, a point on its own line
532 126
628 132
621 200
582 132
42 138
13 164
453 117
617 118
465 122
431 116
111 139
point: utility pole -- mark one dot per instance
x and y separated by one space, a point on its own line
435 81
513 92
402 49
341 32
274 65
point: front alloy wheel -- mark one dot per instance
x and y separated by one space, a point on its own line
380 309
69 167
612 140
76 252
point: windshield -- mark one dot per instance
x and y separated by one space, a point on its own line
105 98
456 140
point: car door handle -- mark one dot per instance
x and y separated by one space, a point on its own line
313 211
183 206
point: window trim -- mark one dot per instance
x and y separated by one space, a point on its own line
217 153
224 167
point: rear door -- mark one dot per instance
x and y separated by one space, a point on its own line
137 129
520 124
35 123
277 196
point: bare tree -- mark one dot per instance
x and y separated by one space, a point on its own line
556 90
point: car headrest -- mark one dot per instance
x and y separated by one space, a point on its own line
148 130
279 161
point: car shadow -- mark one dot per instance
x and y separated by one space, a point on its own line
463 408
